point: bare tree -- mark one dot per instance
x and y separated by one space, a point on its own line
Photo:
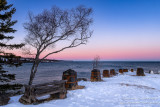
65 28
96 62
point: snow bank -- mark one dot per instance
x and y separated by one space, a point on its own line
118 91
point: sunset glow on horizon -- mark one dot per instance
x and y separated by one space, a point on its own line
124 30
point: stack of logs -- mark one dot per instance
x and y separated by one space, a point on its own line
121 71
125 70
132 70
112 72
107 73
140 72
71 80
95 75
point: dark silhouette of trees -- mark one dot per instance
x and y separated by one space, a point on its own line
6 24
65 28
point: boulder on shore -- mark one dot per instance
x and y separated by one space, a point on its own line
151 72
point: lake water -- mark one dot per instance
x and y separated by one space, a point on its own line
53 71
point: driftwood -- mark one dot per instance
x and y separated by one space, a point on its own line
55 89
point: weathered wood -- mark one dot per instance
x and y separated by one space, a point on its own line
121 71
55 82
106 73
55 88
71 78
125 70
112 72
140 72
132 70
95 75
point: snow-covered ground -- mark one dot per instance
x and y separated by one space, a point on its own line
118 91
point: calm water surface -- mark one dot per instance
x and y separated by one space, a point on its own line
53 71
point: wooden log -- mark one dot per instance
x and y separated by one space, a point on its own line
132 70
140 72
121 71
106 73
125 70
55 82
71 78
95 75
112 72
39 94
33 91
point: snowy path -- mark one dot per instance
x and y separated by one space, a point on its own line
118 91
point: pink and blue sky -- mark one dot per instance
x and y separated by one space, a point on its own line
124 30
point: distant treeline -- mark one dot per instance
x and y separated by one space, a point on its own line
21 60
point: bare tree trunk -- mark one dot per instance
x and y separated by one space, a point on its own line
55 25
33 72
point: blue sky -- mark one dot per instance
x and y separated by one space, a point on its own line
123 29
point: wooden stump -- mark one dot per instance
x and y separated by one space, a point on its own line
106 73
71 77
125 70
121 71
132 70
112 72
28 97
95 75
140 72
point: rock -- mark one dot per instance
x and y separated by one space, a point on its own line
140 72
151 72
106 73
82 79
95 75
4 99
